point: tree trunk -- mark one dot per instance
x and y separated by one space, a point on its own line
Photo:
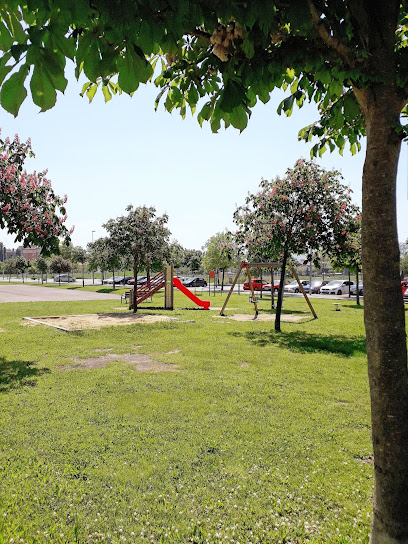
135 272
272 289
384 317
222 281
280 292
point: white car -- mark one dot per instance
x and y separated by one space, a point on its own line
336 287
293 286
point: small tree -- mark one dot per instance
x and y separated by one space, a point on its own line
22 265
59 266
103 254
220 254
193 260
78 255
42 266
307 211
176 254
141 236
29 208
10 267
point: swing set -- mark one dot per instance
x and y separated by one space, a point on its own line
252 298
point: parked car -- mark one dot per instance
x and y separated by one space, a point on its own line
257 285
316 286
337 287
140 280
293 286
64 278
404 285
118 279
194 282
353 289
268 287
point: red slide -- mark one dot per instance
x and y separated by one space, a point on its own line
204 303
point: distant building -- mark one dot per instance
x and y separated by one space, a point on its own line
29 253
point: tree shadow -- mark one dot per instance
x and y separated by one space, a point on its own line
348 346
14 374
109 290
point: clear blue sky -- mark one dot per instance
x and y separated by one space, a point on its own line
106 156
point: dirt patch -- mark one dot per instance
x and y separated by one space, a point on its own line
96 321
2 330
140 361
263 317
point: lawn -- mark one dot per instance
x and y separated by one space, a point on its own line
251 437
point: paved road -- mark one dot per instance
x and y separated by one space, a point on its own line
34 293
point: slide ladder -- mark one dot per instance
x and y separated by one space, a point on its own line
158 281
149 288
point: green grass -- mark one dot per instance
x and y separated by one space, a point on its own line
257 438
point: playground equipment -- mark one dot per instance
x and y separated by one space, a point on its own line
252 298
165 279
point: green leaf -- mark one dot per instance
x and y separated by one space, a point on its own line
238 118
192 95
106 93
15 27
6 41
4 68
13 92
61 44
42 89
351 108
205 113
286 106
232 96
248 47
90 93
132 70
55 65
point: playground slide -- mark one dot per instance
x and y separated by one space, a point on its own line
204 303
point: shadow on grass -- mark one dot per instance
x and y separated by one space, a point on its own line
272 311
14 374
354 306
304 342
109 290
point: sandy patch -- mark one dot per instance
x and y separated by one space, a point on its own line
263 317
140 361
96 321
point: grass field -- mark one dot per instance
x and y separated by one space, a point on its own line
253 437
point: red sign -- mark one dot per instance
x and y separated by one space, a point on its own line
212 274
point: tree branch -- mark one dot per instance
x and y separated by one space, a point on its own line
201 34
329 39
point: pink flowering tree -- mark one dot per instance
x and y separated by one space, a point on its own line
29 208
307 211
141 237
